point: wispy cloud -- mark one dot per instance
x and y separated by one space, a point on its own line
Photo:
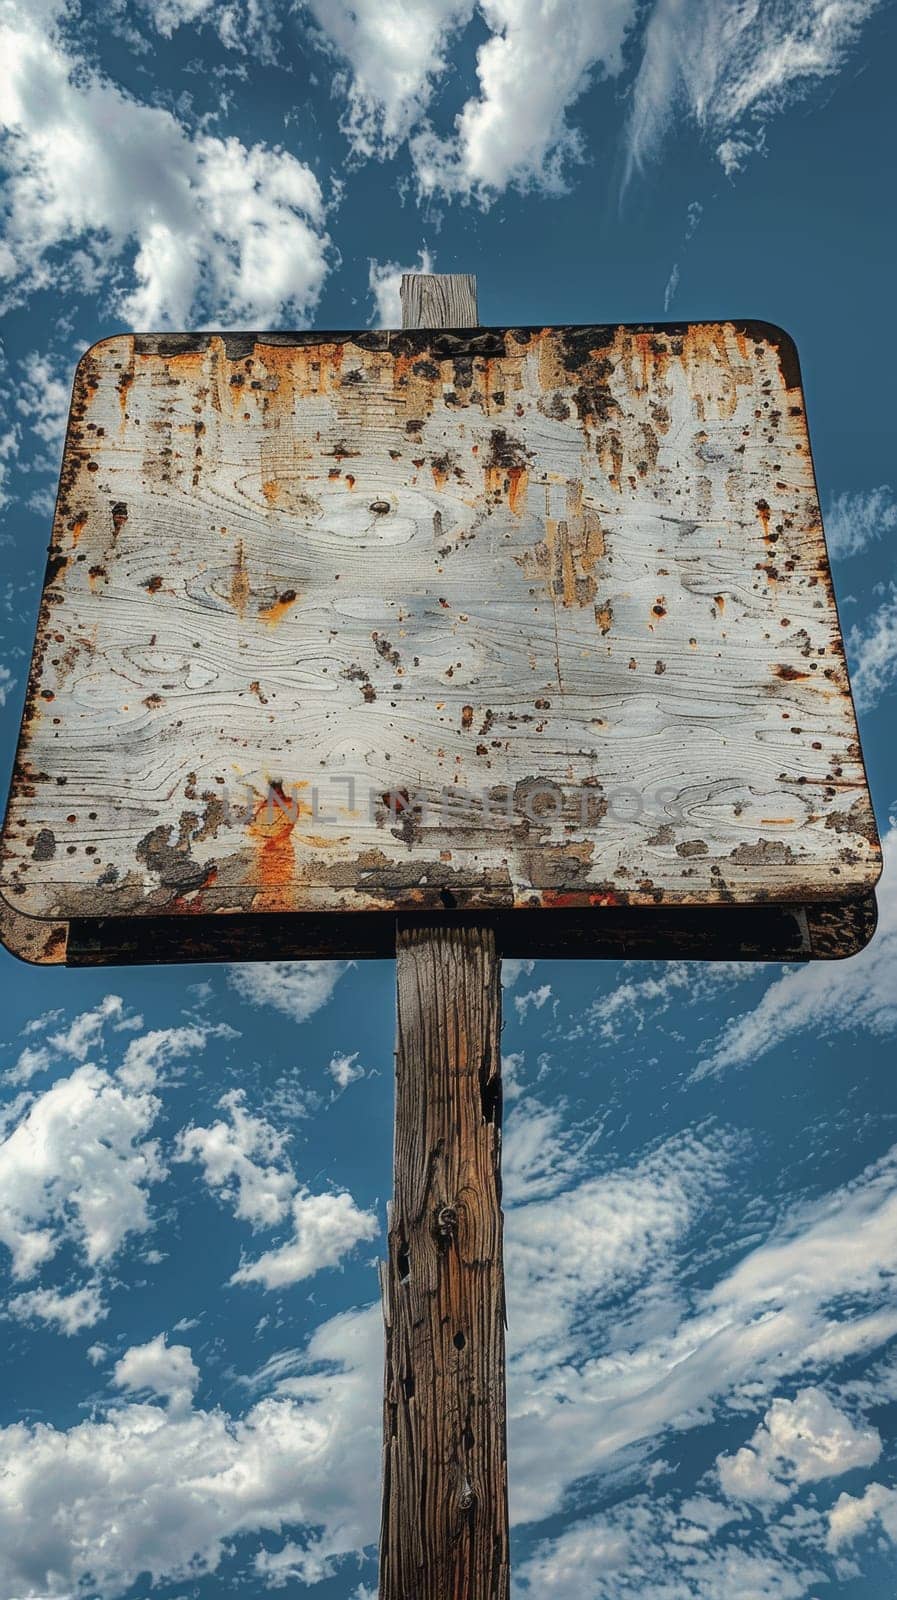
857 517
872 648
827 997
730 67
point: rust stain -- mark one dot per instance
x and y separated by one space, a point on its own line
278 608
565 559
239 587
271 833
77 526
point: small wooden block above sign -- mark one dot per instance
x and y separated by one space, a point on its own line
496 621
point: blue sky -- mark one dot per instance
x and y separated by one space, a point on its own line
701 1163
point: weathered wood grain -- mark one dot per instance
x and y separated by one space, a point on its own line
438 300
574 578
445 1522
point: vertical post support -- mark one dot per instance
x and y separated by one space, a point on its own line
445 1520
444 1529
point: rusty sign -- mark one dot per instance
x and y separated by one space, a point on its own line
535 624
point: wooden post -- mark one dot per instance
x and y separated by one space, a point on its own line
444 1529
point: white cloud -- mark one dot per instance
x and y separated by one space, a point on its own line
85 1032
32 1060
7 681
159 1493
872 647
851 1515
577 1408
799 1441
43 397
298 988
326 1227
538 61
384 284
649 1549
395 57
78 1164
856 517
68 1313
534 997
828 997
345 1069
513 969
243 1159
176 225
168 1371
146 1057
730 66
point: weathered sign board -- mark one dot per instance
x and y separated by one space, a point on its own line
447 644
532 623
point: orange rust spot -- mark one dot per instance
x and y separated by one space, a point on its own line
466 716
763 513
239 585
518 480
76 528
604 616
278 608
271 832
271 490
719 600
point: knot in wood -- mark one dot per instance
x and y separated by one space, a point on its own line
380 507
466 1498
447 1222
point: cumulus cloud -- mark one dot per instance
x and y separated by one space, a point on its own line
78 1162
513 969
43 397
384 284
160 1492
729 67
67 1313
539 59
852 1515
872 648
297 988
175 224
345 1069
79 1165
394 59
86 1031
534 997
32 1060
244 1160
168 1371
854 519
326 1228
828 997
799 1441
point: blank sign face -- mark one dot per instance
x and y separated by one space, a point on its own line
512 618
